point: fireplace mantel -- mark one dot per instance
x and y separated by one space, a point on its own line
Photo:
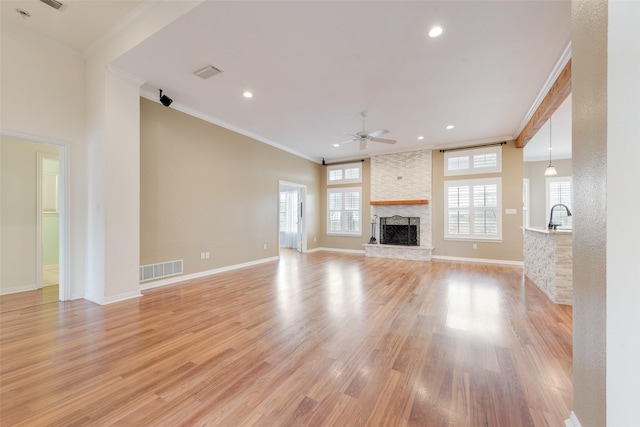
398 202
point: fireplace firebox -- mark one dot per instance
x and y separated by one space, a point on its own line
400 230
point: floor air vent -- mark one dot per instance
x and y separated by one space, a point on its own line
162 269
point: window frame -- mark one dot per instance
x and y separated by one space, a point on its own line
343 167
472 209
470 154
342 231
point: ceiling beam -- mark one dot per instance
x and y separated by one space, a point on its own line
558 92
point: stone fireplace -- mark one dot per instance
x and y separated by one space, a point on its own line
400 193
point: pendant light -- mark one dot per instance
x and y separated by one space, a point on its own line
551 170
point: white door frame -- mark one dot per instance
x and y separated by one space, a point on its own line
64 159
302 220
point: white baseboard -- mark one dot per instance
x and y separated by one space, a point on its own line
572 421
115 298
178 279
479 260
346 251
16 289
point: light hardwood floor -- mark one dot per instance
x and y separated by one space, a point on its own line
321 339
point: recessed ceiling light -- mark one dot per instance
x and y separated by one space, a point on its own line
450 127
421 137
336 145
436 31
247 94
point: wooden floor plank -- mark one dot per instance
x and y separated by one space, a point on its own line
318 339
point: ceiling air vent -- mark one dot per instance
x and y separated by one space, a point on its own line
206 72
53 3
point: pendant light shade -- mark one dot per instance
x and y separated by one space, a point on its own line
551 170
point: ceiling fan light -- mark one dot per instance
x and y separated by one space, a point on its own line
550 171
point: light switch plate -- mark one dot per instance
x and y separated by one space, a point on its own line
510 211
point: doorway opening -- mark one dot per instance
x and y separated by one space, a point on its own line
37 184
48 233
292 232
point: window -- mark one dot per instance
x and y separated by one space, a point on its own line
344 211
472 209
473 161
349 173
559 192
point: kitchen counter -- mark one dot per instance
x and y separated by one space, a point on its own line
548 262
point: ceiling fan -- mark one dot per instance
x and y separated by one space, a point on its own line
363 136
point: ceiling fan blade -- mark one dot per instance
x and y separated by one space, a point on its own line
348 141
363 144
378 132
383 140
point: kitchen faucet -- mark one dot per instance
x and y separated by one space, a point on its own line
551 224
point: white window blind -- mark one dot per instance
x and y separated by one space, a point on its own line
344 211
472 209
559 192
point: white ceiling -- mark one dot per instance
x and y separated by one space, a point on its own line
313 66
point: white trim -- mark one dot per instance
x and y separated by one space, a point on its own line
572 421
64 232
153 96
178 279
565 56
117 298
479 260
16 289
346 251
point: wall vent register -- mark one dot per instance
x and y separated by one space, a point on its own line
159 270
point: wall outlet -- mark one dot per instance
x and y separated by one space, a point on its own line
475 246
265 246
201 255
206 255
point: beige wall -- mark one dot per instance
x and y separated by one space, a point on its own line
18 212
208 189
349 243
534 171
510 249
